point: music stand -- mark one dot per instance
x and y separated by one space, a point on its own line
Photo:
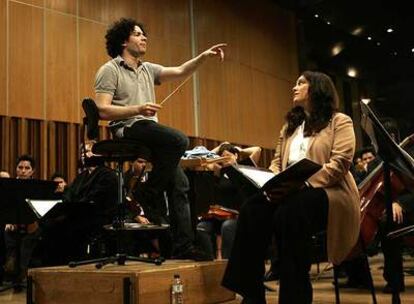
393 156
15 210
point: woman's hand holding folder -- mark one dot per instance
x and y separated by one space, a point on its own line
283 189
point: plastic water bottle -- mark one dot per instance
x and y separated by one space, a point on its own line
177 289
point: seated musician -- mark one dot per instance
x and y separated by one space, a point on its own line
28 234
134 178
62 184
3 174
354 269
357 169
89 203
329 200
221 227
403 215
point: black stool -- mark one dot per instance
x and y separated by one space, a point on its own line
119 151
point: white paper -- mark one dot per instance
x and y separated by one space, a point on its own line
260 177
41 207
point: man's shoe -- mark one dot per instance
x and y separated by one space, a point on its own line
193 253
387 289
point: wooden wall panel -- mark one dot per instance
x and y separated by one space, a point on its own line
252 84
242 100
178 110
166 19
26 61
275 100
92 54
5 144
3 63
107 11
169 41
43 166
39 3
61 72
64 6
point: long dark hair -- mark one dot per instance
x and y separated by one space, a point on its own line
323 101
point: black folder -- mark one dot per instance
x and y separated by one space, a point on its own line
255 180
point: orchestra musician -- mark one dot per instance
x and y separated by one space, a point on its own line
402 216
221 226
28 234
88 204
328 200
62 184
135 177
125 94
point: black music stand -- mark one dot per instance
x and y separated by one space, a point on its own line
15 210
393 156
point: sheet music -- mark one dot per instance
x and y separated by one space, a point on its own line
398 158
260 177
41 207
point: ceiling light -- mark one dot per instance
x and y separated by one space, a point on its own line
352 72
378 43
337 48
328 22
369 38
412 50
357 31
316 16
390 30
395 53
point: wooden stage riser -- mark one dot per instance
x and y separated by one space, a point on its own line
150 284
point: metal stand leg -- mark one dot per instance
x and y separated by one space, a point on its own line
335 273
119 224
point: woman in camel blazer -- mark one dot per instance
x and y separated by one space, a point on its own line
328 201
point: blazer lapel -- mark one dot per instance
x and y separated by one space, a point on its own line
310 142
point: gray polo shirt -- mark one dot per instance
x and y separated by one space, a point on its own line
128 86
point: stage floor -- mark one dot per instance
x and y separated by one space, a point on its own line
323 288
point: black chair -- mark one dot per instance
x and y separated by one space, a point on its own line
366 269
119 151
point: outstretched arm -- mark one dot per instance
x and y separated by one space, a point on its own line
189 67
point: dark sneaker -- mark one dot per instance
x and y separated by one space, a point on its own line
193 253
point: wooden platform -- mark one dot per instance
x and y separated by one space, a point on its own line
149 284
323 291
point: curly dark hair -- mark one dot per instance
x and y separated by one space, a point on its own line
323 100
118 33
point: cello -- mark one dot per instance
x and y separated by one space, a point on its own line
372 196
